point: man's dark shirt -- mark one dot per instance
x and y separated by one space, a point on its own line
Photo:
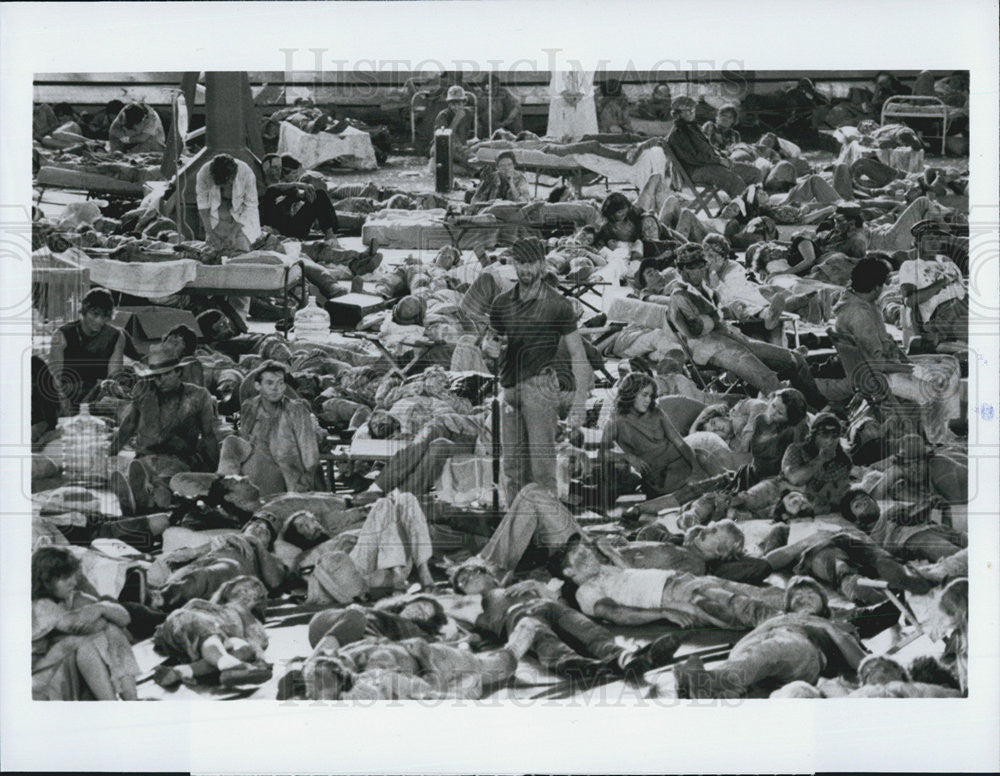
533 329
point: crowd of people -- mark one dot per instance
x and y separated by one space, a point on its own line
681 460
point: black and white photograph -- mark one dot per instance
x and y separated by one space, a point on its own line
601 383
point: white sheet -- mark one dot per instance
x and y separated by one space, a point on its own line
351 148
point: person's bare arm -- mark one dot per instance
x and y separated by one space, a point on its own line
117 361
674 437
606 609
582 375
56 353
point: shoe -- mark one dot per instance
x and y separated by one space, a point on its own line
245 674
118 483
773 315
141 487
657 653
166 677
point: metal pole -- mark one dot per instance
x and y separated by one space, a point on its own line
489 96
495 418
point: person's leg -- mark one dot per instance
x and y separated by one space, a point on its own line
748 173
930 545
593 639
778 657
781 177
691 227
233 454
897 236
745 365
415 535
652 195
877 173
422 478
812 189
512 537
540 411
94 671
324 214
408 459
720 176
788 362
514 444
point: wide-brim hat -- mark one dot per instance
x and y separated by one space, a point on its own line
455 93
159 363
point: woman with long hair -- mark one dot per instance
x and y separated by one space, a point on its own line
79 649
651 444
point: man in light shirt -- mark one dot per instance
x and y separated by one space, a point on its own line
227 204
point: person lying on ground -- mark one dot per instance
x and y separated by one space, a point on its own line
393 541
566 642
740 298
627 596
348 665
846 559
799 643
79 647
198 572
225 635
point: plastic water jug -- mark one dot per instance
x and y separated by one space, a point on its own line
85 448
312 323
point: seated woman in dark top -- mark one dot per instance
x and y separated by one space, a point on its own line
652 446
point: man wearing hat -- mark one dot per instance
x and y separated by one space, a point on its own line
696 155
457 117
173 423
276 445
535 319
932 285
694 313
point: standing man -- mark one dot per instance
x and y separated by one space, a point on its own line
226 190
86 351
173 423
535 319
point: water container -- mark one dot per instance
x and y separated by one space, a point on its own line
312 323
85 448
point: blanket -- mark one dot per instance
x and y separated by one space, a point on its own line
351 148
